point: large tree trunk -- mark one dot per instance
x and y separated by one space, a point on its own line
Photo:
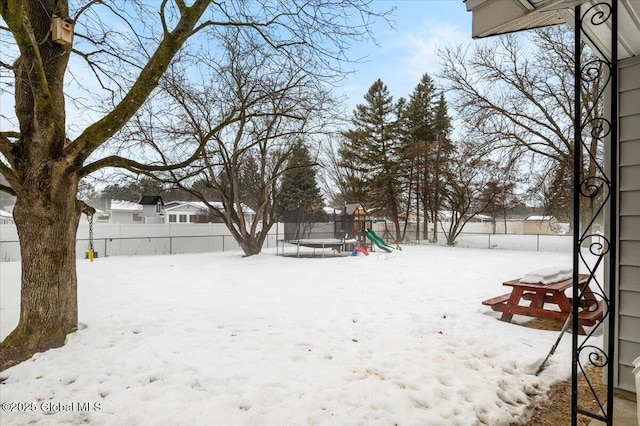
250 242
250 246
43 166
47 219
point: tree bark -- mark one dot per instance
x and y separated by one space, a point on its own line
250 246
47 219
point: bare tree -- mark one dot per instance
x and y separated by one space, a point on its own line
517 98
467 190
333 177
126 47
499 196
249 111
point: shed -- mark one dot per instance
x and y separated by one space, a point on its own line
539 225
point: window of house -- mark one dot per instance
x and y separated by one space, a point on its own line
137 217
172 218
183 218
192 218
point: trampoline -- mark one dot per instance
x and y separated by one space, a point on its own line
337 230
339 247
323 242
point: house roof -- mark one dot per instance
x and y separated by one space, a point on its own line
175 205
120 205
152 200
538 218
355 208
493 17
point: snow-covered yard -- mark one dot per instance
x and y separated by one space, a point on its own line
219 339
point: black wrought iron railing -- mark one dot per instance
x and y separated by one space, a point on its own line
595 190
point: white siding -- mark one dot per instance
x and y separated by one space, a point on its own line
628 323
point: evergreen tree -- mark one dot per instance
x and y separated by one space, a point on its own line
558 198
372 148
249 181
299 200
441 153
420 133
352 175
428 148
132 190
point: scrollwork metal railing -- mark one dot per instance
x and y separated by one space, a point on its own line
596 188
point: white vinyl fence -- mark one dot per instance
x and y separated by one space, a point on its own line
140 239
151 239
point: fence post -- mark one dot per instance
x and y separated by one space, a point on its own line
537 242
170 245
223 243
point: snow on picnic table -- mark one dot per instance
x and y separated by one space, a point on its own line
218 339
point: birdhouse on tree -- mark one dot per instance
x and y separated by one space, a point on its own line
62 30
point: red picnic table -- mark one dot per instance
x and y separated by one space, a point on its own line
547 301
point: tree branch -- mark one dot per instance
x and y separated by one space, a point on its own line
96 134
136 167
12 179
7 189
13 14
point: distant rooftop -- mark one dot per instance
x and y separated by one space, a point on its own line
151 200
125 205
538 218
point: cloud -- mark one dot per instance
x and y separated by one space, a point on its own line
416 51
405 53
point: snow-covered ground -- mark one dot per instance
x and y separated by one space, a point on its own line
218 339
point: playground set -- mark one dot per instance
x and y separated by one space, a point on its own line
352 233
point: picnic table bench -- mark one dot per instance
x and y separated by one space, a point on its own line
539 295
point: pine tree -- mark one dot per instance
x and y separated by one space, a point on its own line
300 201
558 199
428 147
352 179
372 147
441 154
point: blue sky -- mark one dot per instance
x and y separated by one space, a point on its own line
403 53
407 51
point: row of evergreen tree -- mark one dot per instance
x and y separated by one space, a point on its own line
396 152
398 159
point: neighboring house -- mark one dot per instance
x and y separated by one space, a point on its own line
198 212
447 215
185 212
492 17
6 218
152 208
125 212
480 218
101 216
6 199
